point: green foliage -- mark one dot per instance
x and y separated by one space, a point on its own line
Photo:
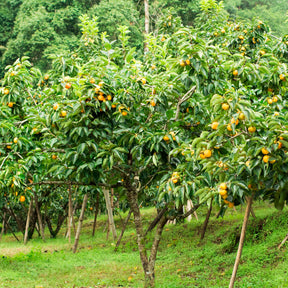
8 12
270 11
42 28
102 114
111 14
187 10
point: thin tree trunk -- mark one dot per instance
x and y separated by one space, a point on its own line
146 8
37 228
283 242
206 221
39 217
253 213
241 241
96 213
252 210
8 226
7 223
132 197
150 273
28 221
110 213
123 230
3 226
69 214
80 223
19 224
108 229
156 220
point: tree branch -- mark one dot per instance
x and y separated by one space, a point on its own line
4 161
183 216
60 182
31 96
120 170
182 100
156 220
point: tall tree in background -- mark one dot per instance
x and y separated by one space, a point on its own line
146 5
8 12
114 13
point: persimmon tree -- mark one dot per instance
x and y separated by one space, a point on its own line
241 149
201 116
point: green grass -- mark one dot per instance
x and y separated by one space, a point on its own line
183 261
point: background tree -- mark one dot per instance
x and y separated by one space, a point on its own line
111 14
271 11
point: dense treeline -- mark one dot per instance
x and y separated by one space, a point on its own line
39 28
273 12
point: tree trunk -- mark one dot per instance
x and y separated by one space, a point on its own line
156 220
37 228
132 197
206 221
150 273
80 223
53 233
252 211
96 213
110 213
39 217
8 226
33 221
283 242
241 241
61 219
3 226
28 221
146 8
20 224
123 229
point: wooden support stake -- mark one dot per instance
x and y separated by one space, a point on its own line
241 242
110 213
146 9
96 213
69 214
28 221
283 242
80 223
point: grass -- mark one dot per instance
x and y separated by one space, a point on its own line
183 261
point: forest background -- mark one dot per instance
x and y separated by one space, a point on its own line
40 28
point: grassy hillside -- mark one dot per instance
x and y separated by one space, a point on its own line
183 261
